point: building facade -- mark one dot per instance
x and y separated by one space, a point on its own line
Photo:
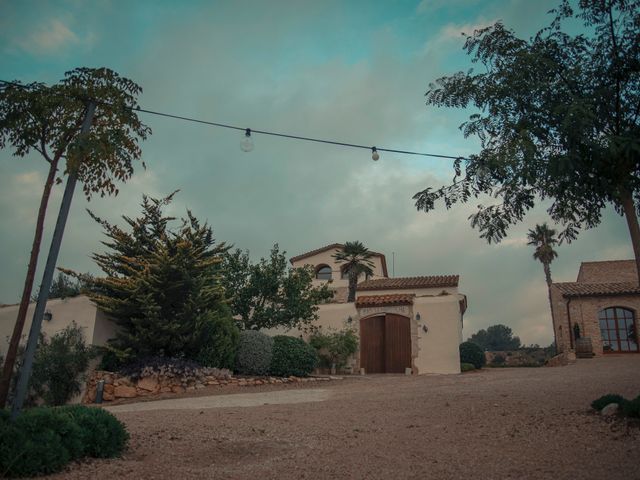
602 304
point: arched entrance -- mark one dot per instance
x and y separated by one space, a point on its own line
385 343
618 330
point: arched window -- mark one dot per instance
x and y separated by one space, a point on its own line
323 272
618 330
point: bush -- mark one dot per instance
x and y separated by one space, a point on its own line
219 347
498 360
58 366
334 348
103 435
605 400
292 356
472 353
466 367
149 366
631 408
255 350
43 440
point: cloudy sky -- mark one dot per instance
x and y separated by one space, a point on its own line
353 71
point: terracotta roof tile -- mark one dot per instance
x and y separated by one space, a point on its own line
338 246
400 283
379 300
575 289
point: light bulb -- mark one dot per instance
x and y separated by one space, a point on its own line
374 154
246 144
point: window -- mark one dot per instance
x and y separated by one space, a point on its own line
618 330
323 272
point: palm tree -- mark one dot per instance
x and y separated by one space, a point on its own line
357 260
544 238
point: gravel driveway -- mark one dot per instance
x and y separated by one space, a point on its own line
496 424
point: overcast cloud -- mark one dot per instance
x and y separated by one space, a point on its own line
351 71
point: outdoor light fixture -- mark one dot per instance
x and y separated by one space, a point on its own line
374 154
349 319
48 315
418 317
425 329
246 144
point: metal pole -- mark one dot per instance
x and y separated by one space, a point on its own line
47 276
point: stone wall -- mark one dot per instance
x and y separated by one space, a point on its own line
516 358
117 386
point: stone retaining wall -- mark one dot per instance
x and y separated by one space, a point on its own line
117 386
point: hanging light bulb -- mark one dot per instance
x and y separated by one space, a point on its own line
246 144
374 154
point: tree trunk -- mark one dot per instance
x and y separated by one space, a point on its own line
10 360
547 274
353 281
634 230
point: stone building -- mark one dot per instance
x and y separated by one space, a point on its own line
603 304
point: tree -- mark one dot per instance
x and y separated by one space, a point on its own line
268 294
496 338
47 120
357 260
162 287
557 117
544 238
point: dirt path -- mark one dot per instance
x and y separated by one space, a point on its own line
496 424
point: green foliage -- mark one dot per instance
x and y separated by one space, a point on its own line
466 367
220 342
556 116
498 360
292 356
255 351
162 287
336 347
48 120
472 353
102 434
43 440
631 408
496 338
59 365
356 260
269 294
599 403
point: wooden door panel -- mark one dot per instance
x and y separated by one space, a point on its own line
372 341
397 343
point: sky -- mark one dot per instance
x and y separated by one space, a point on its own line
353 71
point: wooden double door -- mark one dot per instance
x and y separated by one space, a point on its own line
385 343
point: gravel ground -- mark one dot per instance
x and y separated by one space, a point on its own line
496 424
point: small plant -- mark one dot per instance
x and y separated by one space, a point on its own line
149 366
292 356
472 353
631 408
599 403
255 350
334 348
467 367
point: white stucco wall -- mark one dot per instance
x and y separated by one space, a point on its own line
96 327
326 258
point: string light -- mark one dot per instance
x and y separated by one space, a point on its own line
247 141
246 144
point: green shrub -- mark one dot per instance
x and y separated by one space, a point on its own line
498 360
605 400
103 435
631 408
255 350
292 356
472 353
334 348
40 441
58 366
220 344
43 440
466 367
